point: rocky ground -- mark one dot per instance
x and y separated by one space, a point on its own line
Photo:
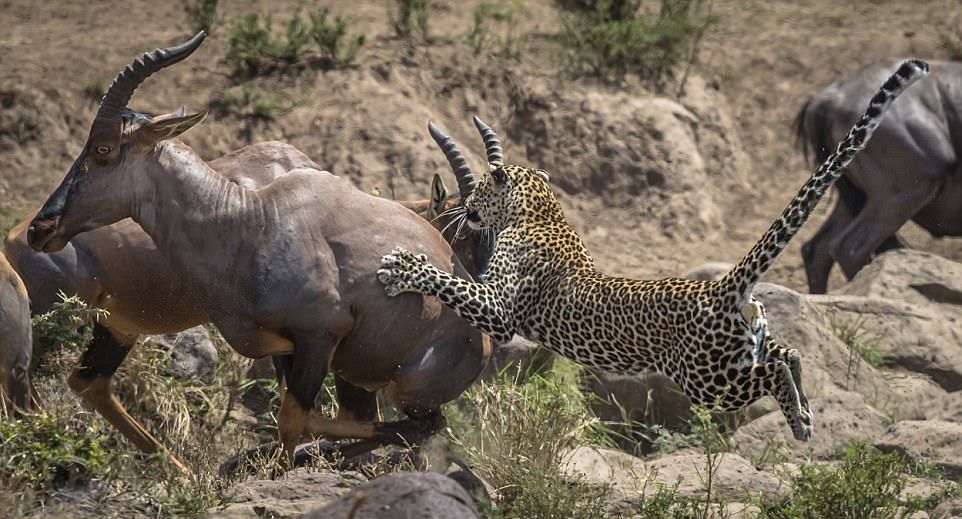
658 181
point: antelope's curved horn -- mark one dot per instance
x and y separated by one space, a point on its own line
460 166
118 95
492 146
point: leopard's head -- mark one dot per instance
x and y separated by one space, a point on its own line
508 194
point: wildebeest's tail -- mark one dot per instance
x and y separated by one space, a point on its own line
760 258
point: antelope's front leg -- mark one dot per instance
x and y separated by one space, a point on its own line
478 304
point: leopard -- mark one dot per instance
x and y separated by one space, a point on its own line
711 337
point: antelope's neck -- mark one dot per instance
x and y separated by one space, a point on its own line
198 219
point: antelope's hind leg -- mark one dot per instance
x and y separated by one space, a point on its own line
92 381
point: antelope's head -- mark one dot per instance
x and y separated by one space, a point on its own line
97 189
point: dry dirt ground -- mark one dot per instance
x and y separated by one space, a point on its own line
675 211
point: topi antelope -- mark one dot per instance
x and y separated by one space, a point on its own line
284 271
16 344
117 268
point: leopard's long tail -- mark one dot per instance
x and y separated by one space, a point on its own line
742 278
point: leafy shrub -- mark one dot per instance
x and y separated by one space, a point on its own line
332 39
67 327
516 436
613 37
45 452
250 102
202 14
867 483
411 17
8 219
253 50
95 90
250 45
494 28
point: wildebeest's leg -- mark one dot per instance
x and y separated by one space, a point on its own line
355 403
816 252
92 379
877 223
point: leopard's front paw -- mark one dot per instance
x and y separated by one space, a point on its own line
399 270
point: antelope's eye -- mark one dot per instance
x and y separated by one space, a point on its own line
103 150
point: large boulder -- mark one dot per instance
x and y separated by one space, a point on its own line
923 338
910 304
412 494
294 495
909 275
937 441
828 364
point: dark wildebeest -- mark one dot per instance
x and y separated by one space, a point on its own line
910 170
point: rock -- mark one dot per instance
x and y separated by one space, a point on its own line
192 354
840 419
411 494
827 363
950 509
917 337
711 271
297 493
631 478
909 275
948 407
517 359
937 441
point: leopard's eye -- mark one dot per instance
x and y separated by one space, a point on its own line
499 176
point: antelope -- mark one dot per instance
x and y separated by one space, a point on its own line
285 271
910 171
16 344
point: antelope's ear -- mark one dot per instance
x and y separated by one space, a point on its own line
543 174
439 197
165 127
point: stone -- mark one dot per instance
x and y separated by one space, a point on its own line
192 354
421 495
936 441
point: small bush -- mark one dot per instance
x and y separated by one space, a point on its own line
332 38
613 37
66 328
494 29
951 40
7 221
95 90
252 103
862 345
44 452
202 14
516 436
867 483
251 48
410 18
